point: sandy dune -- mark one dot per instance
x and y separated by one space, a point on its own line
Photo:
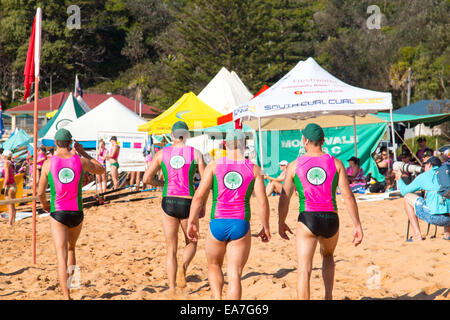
121 255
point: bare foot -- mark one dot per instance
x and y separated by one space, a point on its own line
181 277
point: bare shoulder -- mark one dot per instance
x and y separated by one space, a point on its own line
257 170
338 163
211 166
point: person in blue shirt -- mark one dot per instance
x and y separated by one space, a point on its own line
434 209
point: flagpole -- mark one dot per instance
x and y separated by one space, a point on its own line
37 58
36 98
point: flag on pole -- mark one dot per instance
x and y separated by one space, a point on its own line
1 120
78 90
34 54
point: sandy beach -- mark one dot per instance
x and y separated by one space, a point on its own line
121 255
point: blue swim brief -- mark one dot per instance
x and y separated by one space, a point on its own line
228 229
423 213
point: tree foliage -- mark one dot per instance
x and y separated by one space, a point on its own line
164 48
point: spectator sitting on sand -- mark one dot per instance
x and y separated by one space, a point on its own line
434 208
276 184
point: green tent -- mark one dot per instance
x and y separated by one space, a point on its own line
430 120
68 112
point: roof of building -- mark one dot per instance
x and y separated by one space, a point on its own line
92 100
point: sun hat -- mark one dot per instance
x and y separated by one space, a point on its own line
283 163
7 153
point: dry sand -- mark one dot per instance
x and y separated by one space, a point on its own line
121 255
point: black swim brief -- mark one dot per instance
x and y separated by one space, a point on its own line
321 224
177 207
69 218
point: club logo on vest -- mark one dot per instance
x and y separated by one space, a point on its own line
66 175
177 162
233 180
316 176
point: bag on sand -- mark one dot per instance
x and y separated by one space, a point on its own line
443 177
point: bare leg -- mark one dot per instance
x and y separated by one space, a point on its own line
277 186
114 176
306 243
60 234
269 188
215 252
188 255
132 177
138 180
104 182
170 226
237 256
447 233
327 247
74 233
409 201
11 207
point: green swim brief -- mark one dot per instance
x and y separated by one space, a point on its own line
115 164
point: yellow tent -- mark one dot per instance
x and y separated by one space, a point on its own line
51 114
189 108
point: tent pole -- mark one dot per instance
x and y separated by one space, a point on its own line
260 145
393 136
355 136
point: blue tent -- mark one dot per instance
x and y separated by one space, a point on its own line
425 107
17 139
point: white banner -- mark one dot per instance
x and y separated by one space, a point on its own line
132 146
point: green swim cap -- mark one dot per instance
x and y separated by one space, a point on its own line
63 135
313 132
180 126
234 135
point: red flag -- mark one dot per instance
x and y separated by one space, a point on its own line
31 71
29 65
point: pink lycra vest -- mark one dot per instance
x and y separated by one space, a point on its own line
65 179
232 188
178 167
11 174
101 155
316 180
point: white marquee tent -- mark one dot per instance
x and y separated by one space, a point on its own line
225 91
110 116
309 91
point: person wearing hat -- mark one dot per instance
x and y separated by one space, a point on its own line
422 142
316 175
355 173
433 208
426 155
233 180
276 184
112 157
178 163
9 185
64 173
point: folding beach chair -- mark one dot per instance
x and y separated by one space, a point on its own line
428 230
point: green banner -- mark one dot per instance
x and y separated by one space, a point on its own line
339 142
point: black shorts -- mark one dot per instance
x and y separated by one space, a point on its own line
69 218
321 224
177 207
